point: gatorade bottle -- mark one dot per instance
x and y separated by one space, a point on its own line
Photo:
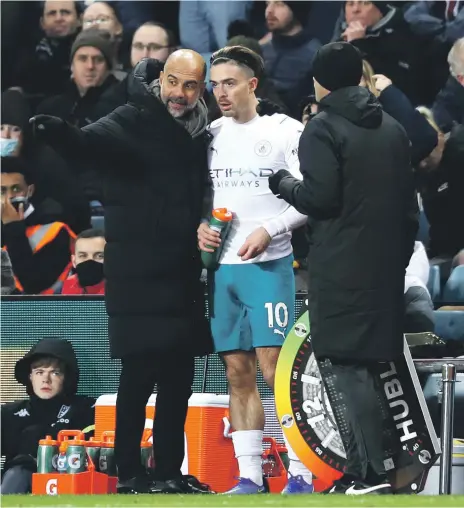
221 221
47 455
75 456
62 462
106 462
93 451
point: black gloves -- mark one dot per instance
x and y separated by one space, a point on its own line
266 107
275 179
45 126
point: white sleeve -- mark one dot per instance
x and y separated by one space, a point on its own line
290 219
419 265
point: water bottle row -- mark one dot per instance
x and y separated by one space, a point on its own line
77 455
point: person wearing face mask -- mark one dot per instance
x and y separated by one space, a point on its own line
88 264
39 246
50 373
53 178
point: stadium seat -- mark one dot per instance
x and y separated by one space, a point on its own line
449 324
423 232
433 284
453 292
98 222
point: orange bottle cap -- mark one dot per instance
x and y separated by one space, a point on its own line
145 444
92 443
48 441
63 446
76 442
222 214
107 444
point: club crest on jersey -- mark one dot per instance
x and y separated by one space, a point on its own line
263 148
63 410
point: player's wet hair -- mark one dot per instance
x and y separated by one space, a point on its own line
241 56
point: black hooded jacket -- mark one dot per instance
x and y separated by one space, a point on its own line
358 192
25 422
154 176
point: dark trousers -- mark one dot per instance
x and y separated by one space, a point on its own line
362 417
173 375
16 480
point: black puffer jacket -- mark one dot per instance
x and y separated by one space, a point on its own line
154 177
25 422
358 191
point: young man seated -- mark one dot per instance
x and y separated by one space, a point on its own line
51 374
87 261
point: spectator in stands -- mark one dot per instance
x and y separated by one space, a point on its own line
440 181
418 304
156 302
448 108
84 101
203 25
92 59
38 245
151 40
44 69
442 20
358 193
102 16
50 373
7 286
87 260
422 136
386 41
52 176
289 54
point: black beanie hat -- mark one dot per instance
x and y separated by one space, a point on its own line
15 109
337 65
300 10
100 39
383 7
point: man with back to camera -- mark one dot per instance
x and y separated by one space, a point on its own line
358 192
50 373
152 156
254 288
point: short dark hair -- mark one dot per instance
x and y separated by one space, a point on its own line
91 233
172 40
242 56
11 164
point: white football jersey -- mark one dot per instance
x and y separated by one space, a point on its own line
241 158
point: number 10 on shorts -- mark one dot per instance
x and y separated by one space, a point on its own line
277 315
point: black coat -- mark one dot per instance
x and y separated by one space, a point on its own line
25 422
358 192
154 177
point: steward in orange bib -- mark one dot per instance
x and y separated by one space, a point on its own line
38 245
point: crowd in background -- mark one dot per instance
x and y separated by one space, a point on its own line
72 60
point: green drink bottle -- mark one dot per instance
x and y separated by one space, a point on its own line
47 455
221 221
75 457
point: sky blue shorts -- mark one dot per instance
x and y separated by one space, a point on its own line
253 305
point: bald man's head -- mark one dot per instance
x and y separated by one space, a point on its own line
182 81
